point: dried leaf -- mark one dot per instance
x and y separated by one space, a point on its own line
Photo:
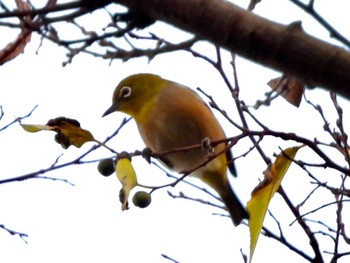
262 194
290 88
16 47
68 131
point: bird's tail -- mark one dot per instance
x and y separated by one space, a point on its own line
233 205
218 181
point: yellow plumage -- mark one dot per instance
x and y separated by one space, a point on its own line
169 116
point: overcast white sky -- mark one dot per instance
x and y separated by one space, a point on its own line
84 222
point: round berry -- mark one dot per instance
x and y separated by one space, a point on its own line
106 167
141 199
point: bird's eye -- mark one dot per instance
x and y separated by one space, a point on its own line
125 92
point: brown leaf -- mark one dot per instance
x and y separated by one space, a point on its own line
290 88
16 47
69 132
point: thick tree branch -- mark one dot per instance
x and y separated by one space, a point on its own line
284 48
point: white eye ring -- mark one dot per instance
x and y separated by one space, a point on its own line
125 92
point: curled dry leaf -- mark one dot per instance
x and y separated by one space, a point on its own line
290 88
68 131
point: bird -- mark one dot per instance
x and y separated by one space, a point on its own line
172 116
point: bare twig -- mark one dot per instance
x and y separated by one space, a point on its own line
23 236
313 241
55 166
18 119
268 233
309 8
169 258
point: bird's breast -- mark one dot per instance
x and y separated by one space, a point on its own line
180 119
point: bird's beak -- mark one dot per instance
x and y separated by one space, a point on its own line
111 109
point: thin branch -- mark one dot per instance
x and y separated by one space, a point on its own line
266 232
215 106
23 236
308 196
54 166
205 190
337 256
313 241
195 199
340 223
56 8
340 124
186 173
1 112
54 179
316 209
169 258
240 108
309 9
18 119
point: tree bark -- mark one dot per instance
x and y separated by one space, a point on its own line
284 48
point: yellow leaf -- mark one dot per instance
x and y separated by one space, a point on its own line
262 194
126 176
36 127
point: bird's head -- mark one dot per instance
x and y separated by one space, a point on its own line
135 94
